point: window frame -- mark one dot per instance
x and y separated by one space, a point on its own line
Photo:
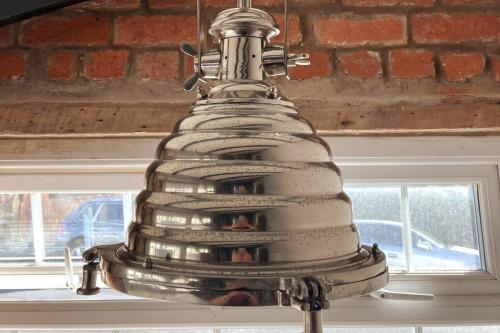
65 176
414 179
486 178
470 298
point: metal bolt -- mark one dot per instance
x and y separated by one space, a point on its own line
148 263
272 92
90 255
325 305
202 93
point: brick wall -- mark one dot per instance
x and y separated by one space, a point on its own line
376 46
452 40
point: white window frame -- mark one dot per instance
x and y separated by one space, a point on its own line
480 217
119 163
486 178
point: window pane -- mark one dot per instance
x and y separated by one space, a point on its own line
64 331
445 234
377 214
16 236
79 221
168 330
371 330
261 330
438 222
326 330
463 329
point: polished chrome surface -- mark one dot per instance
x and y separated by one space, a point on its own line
244 22
274 65
239 64
243 33
244 3
243 205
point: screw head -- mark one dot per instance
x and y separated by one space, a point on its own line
272 92
202 93
148 263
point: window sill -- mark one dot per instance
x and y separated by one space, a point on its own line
130 313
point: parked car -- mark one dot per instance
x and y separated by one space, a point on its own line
427 253
98 221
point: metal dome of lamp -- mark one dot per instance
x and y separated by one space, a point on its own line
243 205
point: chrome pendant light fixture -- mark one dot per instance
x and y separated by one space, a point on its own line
243 205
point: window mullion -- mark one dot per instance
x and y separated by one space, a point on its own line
405 216
476 208
37 226
128 208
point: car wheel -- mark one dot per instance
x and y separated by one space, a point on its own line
77 247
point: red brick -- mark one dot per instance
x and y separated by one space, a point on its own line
110 4
462 66
12 64
495 67
171 30
78 30
411 64
168 4
370 3
61 65
158 65
155 30
6 35
321 66
213 3
109 64
456 28
363 64
469 2
360 30
294 32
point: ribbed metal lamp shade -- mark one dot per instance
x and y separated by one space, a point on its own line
242 196
243 204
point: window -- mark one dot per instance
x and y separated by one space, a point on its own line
469 329
326 330
418 329
36 227
399 187
16 229
421 228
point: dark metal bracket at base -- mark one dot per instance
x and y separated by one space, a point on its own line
90 273
309 295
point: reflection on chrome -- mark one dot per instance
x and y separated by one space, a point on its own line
163 250
170 220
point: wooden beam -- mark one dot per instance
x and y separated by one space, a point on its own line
16 10
105 119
